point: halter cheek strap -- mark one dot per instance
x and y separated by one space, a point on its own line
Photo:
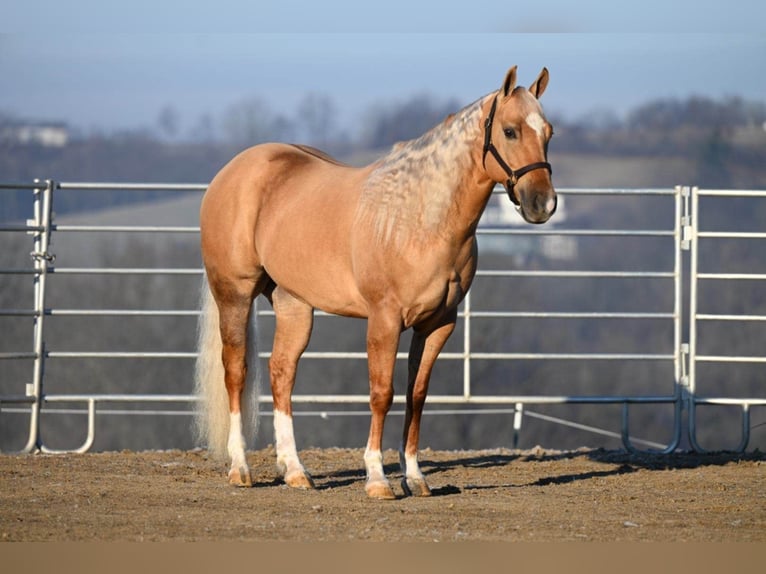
513 175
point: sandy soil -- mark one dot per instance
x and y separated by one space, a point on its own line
499 495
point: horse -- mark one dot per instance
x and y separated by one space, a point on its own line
393 242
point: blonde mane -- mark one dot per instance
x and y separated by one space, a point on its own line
409 193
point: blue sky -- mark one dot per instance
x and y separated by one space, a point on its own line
447 16
115 65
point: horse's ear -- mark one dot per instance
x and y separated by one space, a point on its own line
510 81
540 84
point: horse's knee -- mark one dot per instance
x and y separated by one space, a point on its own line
418 397
381 398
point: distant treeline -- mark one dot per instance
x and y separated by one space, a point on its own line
722 137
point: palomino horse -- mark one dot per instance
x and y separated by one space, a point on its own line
393 242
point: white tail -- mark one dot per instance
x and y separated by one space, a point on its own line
212 413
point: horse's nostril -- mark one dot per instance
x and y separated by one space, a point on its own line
544 205
552 204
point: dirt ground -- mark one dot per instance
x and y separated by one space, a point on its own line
498 495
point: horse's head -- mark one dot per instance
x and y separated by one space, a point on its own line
516 135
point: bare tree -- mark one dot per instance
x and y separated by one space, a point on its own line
169 121
252 121
317 115
204 130
406 120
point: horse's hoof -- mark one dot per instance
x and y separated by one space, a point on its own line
379 491
299 479
415 487
240 477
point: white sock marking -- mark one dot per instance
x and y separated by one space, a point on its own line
287 453
236 443
373 461
413 468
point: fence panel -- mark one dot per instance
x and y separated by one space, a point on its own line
565 301
720 290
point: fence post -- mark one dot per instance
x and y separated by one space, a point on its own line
467 346
42 259
693 293
681 222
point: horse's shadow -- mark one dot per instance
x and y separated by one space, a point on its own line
619 462
342 478
348 477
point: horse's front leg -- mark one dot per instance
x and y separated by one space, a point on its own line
383 331
424 349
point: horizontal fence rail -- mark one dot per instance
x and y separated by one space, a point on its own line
682 354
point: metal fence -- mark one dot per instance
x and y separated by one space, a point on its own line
681 279
701 241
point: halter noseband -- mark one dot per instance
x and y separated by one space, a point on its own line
513 176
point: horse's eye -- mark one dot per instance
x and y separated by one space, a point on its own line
510 133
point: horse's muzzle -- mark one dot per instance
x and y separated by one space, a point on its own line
538 208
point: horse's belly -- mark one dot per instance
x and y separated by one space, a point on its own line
304 241
321 277
333 297
330 297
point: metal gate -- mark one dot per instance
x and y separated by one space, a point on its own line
678 275
705 236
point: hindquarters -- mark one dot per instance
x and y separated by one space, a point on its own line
233 278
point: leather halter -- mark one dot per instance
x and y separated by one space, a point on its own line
513 175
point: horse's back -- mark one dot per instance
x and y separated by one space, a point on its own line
276 179
267 166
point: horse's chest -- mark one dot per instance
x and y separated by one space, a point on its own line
438 297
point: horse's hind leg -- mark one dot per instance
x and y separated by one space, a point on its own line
294 320
424 349
234 303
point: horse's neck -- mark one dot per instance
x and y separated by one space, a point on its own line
429 186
